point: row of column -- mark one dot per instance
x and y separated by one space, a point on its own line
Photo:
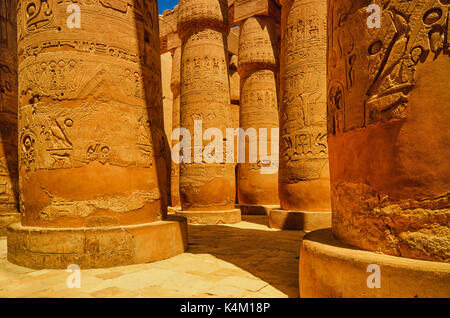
93 156
302 185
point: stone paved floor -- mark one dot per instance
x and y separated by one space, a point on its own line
243 260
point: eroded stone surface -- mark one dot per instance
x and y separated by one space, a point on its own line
388 111
96 247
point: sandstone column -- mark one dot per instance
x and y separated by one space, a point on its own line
170 43
91 142
388 102
8 116
175 86
207 189
235 81
235 84
304 185
258 67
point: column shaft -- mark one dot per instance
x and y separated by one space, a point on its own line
205 96
304 181
176 90
304 171
258 68
9 193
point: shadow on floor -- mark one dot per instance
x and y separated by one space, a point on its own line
272 256
257 219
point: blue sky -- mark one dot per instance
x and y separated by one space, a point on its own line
166 4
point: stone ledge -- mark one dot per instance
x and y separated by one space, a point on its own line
57 248
211 217
330 268
248 209
298 220
173 209
7 219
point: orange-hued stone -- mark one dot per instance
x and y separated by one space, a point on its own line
235 81
332 269
235 89
205 96
388 102
244 9
96 247
166 73
92 149
89 122
258 67
304 184
175 86
9 194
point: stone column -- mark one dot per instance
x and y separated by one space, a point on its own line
8 116
91 143
304 185
258 68
207 187
235 86
235 83
171 44
388 112
176 89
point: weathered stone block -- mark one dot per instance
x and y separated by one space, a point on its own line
244 9
57 248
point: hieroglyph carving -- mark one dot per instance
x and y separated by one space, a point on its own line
258 67
205 96
90 100
304 149
411 33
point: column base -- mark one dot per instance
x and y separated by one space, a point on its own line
7 219
250 209
211 217
57 248
329 268
300 221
